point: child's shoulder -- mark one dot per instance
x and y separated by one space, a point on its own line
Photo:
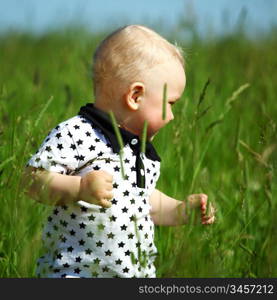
76 124
72 128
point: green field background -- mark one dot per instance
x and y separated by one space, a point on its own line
222 143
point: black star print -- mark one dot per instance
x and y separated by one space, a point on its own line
114 201
66 265
133 169
70 249
72 232
76 127
96 168
110 235
141 193
95 274
78 259
49 219
60 146
140 227
77 270
124 210
108 253
125 270
100 153
102 210
99 244
81 242
91 148
90 234
132 201
116 169
107 160
82 225
140 209
123 227
88 251
56 211
118 261
133 218
126 161
73 216
48 148
127 253
130 236
79 142
113 218
84 209
79 157
126 193
134 184
96 261
58 135
69 134
138 244
115 185
121 245
97 140
72 146
88 133
59 256
105 269
91 217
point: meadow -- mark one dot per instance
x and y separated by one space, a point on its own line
222 142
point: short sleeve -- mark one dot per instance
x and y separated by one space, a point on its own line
58 152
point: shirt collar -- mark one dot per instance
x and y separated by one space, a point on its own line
101 120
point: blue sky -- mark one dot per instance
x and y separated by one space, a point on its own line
40 15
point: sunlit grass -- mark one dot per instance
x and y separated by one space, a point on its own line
222 142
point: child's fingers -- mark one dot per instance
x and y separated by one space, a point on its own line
105 203
108 195
108 177
109 187
208 220
198 200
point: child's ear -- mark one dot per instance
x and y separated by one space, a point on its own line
134 95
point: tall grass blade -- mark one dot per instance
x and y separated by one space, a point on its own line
164 101
43 111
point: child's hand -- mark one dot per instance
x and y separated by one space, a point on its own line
199 201
96 188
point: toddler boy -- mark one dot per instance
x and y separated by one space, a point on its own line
102 224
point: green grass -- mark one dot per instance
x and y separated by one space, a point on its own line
222 143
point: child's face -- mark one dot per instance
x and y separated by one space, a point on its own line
151 106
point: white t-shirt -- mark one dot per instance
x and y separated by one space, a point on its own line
86 240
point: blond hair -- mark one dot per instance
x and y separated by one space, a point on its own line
125 54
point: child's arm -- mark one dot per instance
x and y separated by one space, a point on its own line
57 189
171 212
